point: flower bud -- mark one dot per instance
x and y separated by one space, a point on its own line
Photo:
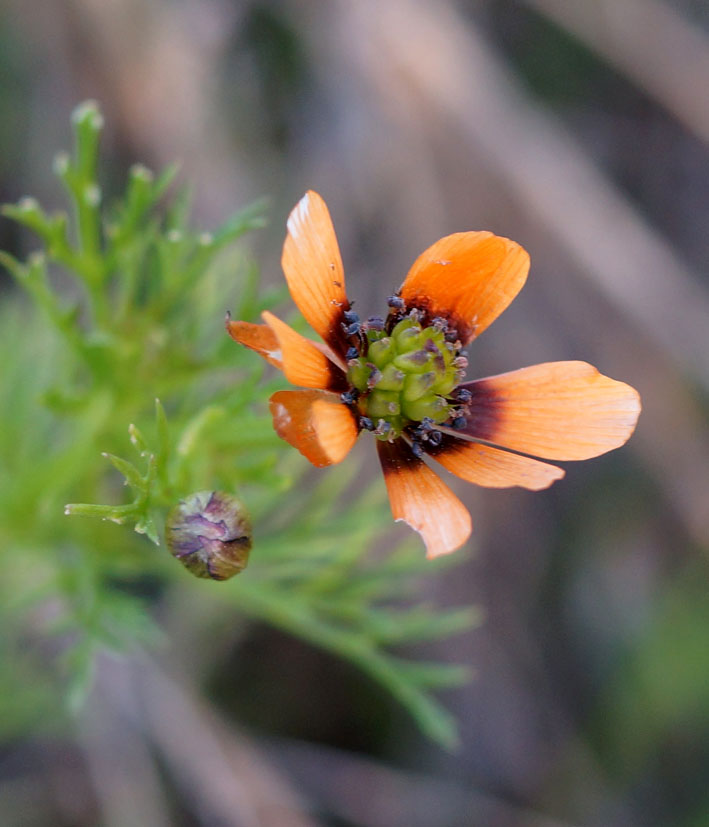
209 532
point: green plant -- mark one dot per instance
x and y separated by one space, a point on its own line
127 308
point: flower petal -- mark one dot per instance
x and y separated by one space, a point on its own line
313 269
468 279
258 337
304 363
421 499
491 467
321 427
556 410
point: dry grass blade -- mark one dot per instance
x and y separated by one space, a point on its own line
224 777
395 798
650 42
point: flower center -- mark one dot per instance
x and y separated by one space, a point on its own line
404 377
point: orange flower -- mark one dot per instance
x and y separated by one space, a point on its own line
400 378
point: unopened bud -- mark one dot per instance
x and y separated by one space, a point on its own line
209 532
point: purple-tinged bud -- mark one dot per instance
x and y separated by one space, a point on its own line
429 405
390 379
416 361
383 404
358 372
417 384
381 352
408 339
209 532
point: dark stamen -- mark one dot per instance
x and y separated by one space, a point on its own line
350 316
374 323
374 376
352 329
435 438
383 427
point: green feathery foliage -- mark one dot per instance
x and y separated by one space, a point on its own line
126 308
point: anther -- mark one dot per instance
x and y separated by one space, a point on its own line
417 450
366 423
374 376
350 316
463 395
350 397
440 324
383 427
396 302
374 323
352 353
352 329
459 423
435 438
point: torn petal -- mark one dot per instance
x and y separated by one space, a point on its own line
421 499
321 427
468 279
258 337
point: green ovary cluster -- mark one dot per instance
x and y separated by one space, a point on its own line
405 377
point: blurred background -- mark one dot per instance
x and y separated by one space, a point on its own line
579 128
